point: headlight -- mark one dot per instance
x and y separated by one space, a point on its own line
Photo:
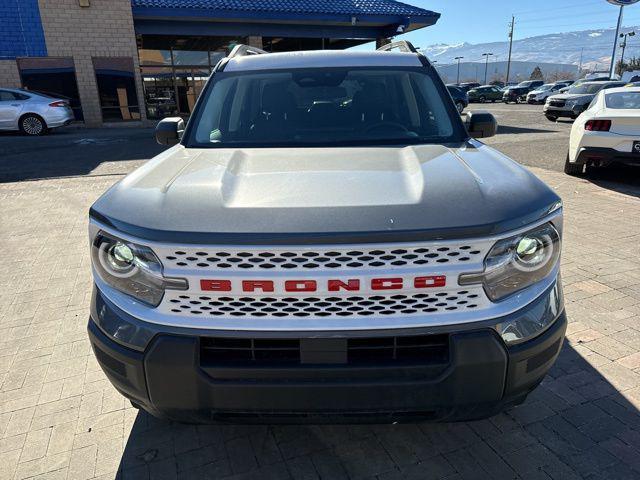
132 269
571 103
515 263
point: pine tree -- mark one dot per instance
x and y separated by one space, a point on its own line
536 74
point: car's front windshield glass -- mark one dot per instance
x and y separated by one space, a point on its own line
524 84
544 88
586 88
623 100
323 106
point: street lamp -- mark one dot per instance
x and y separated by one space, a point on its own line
486 65
621 4
624 46
458 59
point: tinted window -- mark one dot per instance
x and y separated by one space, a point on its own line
586 88
6 96
323 107
623 100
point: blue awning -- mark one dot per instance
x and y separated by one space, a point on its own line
362 19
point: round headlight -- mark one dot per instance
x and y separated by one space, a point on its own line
533 251
118 259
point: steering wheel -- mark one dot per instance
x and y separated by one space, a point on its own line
386 125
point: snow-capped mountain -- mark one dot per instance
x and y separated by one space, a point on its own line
561 48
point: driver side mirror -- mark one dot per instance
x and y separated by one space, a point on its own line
481 124
169 131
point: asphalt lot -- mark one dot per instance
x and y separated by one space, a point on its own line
61 419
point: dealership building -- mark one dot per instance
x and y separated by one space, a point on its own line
137 60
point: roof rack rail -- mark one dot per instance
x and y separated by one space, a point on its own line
241 50
402 45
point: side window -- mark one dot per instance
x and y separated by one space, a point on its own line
6 96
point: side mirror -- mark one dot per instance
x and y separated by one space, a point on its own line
481 124
169 131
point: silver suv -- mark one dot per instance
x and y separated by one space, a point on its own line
326 241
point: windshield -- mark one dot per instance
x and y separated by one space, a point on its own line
546 87
587 88
623 100
524 84
323 106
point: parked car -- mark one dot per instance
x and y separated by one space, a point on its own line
540 94
519 93
460 98
607 132
259 269
32 113
575 100
486 93
469 85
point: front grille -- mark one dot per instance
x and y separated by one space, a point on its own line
348 259
557 103
359 306
416 349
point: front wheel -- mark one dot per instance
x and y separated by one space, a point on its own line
482 99
460 107
552 118
573 169
33 125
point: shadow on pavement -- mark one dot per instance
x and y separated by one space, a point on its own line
507 129
620 178
574 425
73 152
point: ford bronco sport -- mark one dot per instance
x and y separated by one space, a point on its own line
326 241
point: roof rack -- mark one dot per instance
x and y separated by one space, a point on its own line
241 50
402 45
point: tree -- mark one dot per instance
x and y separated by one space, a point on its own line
629 65
536 74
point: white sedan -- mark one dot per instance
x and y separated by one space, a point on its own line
607 132
32 113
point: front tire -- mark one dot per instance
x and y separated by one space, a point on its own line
482 99
33 125
460 107
573 169
552 118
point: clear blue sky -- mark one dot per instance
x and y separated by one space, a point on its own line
480 21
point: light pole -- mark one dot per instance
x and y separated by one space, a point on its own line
624 46
621 4
458 78
486 65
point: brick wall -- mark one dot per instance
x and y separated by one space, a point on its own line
9 76
105 29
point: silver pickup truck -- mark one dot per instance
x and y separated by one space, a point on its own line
326 241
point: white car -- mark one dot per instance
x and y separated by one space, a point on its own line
540 94
607 132
32 113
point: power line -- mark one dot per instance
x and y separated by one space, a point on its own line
564 7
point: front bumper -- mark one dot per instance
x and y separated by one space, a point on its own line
606 156
564 112
174 376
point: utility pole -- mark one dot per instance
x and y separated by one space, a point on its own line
580 67
458 59
486 65
511 25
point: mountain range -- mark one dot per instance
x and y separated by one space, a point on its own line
592 47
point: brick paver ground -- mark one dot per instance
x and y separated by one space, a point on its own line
60 418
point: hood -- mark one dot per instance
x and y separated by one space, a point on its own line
573 96
320 194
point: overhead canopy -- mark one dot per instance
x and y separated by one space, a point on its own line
361 19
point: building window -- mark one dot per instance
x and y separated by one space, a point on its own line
173 78
52 76
117 88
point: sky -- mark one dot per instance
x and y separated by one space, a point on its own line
480 21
